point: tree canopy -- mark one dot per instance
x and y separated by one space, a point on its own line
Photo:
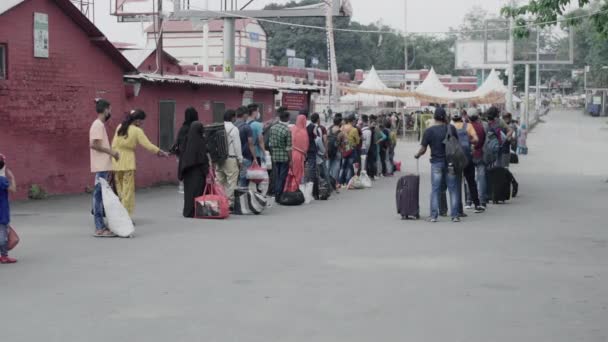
356 50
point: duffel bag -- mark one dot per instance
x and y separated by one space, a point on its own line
292 198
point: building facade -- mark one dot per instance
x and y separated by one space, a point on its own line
184 40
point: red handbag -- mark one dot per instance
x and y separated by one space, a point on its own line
257 174
291 184
213 204
13 238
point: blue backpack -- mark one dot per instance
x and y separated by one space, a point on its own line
463 137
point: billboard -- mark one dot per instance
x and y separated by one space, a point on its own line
470 54
297 63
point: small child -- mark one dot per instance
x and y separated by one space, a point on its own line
7 183
522 147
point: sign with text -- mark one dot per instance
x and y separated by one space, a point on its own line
41 35
294 101
247 97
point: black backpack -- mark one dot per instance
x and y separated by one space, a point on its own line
453 151
332 143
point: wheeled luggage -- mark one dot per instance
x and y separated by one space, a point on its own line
499 184
408 196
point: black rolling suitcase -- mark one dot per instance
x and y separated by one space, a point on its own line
499 184
408 195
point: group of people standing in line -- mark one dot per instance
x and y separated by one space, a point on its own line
306 148
473 131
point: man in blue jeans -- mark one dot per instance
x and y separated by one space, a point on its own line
441 171
101 162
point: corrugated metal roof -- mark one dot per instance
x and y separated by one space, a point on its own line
5 5
220 82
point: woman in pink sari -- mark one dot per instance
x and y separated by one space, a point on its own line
299 142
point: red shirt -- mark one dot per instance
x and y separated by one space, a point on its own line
481 136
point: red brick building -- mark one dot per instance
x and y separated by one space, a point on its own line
47 104
47 100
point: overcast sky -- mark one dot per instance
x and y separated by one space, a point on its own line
423 15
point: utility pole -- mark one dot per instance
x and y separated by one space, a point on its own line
538 102
527 97
405 43
206 39
159 45
511 69
405 87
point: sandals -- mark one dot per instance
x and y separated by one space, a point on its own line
104 234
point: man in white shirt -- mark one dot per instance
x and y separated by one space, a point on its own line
366 133
228 170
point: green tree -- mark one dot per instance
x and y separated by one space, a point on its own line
546 11
356 50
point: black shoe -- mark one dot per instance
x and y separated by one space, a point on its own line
463 215
479 209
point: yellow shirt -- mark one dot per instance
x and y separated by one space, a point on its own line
470 130
125 145
352 135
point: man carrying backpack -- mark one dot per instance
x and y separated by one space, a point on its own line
478 162
500 131
335 139
435 137
467 137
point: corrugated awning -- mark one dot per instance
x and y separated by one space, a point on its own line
220 82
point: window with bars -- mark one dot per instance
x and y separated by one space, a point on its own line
3 63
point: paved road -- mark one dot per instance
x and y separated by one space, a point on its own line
535 269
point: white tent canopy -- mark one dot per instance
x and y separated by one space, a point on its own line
371 82
432 86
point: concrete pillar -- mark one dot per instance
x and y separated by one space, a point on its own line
229 47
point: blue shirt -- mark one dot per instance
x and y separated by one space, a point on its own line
5 216
257 130
245 133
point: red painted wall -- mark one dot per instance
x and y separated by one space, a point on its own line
47 105
152 170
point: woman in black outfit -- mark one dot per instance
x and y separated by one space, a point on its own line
193 166
191 115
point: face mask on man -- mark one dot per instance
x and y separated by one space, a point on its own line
108 116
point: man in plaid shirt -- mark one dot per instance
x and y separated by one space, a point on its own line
280 150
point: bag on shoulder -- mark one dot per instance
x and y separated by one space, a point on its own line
332 143
454 152
491 147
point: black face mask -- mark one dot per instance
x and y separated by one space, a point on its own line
1 164
108 116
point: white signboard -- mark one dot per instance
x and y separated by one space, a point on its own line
470 54
41 35
290 52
